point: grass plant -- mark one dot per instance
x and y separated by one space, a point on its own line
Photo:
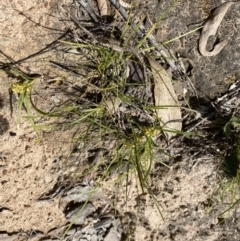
230 193
132 152
227 191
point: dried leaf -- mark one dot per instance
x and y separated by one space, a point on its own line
102 5
112 104
210 28
165 96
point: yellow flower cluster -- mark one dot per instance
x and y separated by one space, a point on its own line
20 88
151 131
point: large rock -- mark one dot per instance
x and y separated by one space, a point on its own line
212 76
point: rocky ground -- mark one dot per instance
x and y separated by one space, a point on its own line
38 201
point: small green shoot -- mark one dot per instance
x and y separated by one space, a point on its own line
232 123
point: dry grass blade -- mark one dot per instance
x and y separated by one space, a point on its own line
167 106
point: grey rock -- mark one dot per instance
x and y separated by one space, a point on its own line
113 235
103 224
78 194
211 76
80 216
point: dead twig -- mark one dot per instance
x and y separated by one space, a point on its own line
86 5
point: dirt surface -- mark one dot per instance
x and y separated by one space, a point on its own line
31 163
